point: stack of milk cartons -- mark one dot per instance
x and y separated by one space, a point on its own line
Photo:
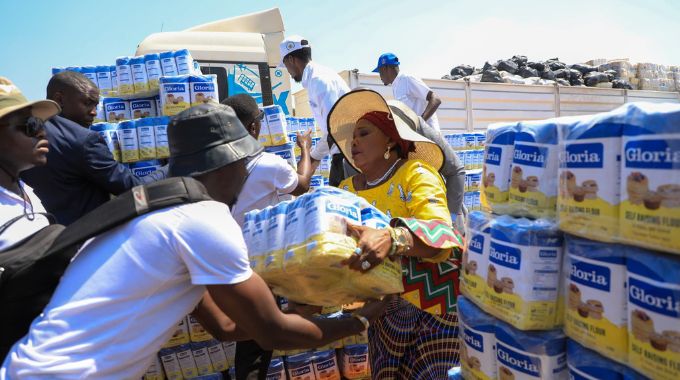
297 248
470 148
139 141
192 353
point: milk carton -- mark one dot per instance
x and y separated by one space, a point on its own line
140 80
144 168
470 140
585 364
523 275
653 313
530 355
478 341
596 296
354 362
300 366
186 361
588 195
218 359
174 92
650 176
168 65
124 76
326 365
155 370
476 257
108 131
114 79
116 109
184 61
284 151
104 79
230 352
90 72
203 89
276 123
129 143
146 138
276 237
265 137
277 370
145 107
161 136
170 363
153 69
533 182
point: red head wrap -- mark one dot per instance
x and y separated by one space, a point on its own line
385 123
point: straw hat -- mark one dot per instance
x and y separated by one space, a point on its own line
353 105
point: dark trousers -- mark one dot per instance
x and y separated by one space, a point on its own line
252 362
337 173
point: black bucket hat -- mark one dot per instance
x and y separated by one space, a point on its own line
205 138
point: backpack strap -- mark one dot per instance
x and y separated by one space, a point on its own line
138 201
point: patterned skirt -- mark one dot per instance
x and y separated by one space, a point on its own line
408 343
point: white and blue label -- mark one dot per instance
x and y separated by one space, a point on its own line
654 298
590 275
343 210
587 156
493 155
521 362
652 154
477 243
530 155
474 340
504 255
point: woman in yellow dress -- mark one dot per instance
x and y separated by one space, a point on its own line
416 338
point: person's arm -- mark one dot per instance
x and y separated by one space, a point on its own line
304 167
216 322
102 169
433 102
419 90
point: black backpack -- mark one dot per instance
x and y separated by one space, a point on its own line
30 271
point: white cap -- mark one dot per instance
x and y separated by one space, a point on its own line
291 44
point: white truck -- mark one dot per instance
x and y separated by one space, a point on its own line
471 106
242 51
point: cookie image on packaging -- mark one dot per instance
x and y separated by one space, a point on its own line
590 189
137 114
637 187
583 310
642 325
498 286
673 339
652 200
659 342
474 363
491 276
567 184
670 195
200 97
574 298
516 177
596 309
532 183
505 374
579 194
489 180
471 268
508 285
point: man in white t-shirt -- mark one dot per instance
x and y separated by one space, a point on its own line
125 291
408 89
324 87
23 145
271 179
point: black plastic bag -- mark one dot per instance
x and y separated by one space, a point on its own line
488 66
540 66
593 78
562 82
562 74
508 66
520 60
526 72
556 65
612 74
463 70
621 83
492 75
576 82
548 74
584 69
575 74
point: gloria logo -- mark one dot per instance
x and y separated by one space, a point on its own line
174 87
141 105
477 244
493 155
474 340
652 154
654 298
330 363
591 275
115 107
204 87
346 211
530 155
509 257
520 362
582 156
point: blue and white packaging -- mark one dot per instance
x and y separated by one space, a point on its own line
203 89
277 370
276 123
144 168
175 94
153 69
124 75
168 357
300 366
144 107
57 70
218 358
326 365
184 61
530 355
354 363
284 151
109 132
199 351
476 257
168 65
116 109
186 360
114 78
478 338
161 136
140 80
90 72
585 364
129 142
104 79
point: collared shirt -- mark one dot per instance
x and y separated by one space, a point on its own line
413 92
324 87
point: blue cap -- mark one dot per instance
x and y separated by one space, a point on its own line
386 59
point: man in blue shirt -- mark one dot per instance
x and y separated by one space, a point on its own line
81 173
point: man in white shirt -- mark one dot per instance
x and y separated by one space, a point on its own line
23 145
122 296
271 179
324 87
408 89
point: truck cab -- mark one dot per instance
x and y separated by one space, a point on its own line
242 51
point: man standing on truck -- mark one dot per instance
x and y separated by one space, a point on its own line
408 89
324 87
81 173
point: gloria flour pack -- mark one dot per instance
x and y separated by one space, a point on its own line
533 184
523 275
498 153
596 296
175 94
478 342
653 313
585 364
476 256
650 176
588 196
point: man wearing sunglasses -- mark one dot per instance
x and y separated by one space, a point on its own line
23 145
81 173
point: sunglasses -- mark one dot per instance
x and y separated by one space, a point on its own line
260 117
32 125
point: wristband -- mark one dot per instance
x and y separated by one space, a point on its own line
363 320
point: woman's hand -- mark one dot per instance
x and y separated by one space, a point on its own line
304 141
373 247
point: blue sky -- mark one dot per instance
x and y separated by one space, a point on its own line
430 37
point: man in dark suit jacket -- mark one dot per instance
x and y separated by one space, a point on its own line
81 172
